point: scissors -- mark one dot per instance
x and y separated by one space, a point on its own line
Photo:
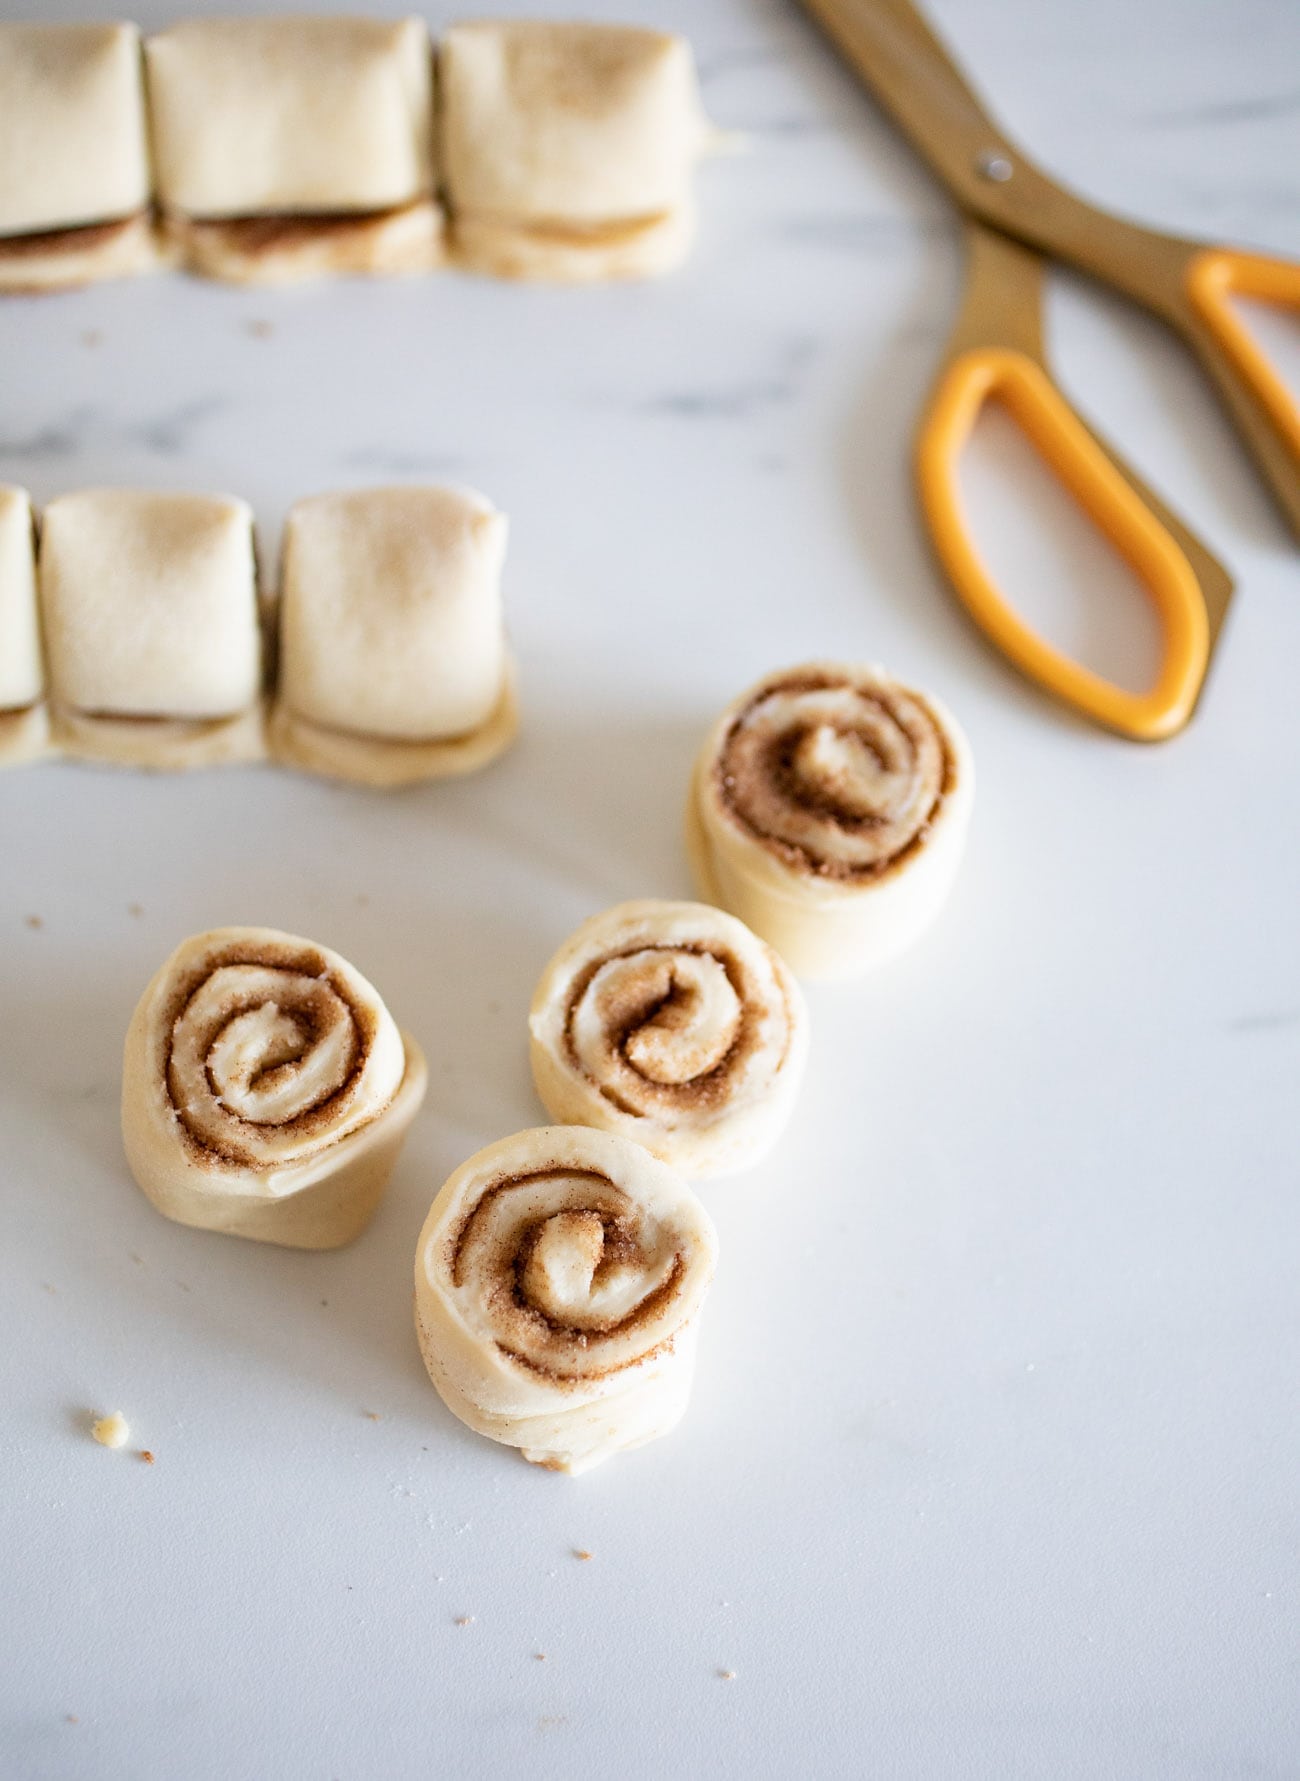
1015 216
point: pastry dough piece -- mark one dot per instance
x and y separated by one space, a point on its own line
293 146
149 603
393 664
24 729
672 1024
558 1286
828 810
24 720
568 149
266 1091
74 172
284 249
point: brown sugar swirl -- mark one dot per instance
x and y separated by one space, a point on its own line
673 1024
838 774
270 1055
557 1284
576 1282
266 1089
828 809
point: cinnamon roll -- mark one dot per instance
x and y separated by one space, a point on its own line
74 166
672 1024
393 663
266 1091
149 603
24 729
558 1286
568 149
293 146
828 810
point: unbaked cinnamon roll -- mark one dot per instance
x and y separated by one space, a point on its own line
294 146
266 1091
568 149
150 608
558 1286
74 165
393 660
828 810
672 1024
24 727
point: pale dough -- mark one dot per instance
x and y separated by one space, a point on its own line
266 1091
672 1024
24 727
558 1285
568 150
149 603
392 657
72 127
828 809
284 250
64 258
303 118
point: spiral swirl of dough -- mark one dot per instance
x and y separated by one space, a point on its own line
266 1091
674 1025
557 1279
839 774
274 1054
578 1283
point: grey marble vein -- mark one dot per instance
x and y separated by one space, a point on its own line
745 398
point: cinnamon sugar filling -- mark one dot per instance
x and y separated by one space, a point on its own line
567 1274
309 998
75 239
843 794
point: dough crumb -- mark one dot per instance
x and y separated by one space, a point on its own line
136 909
371 1415
35 921
112 1431
464 1620
71 1719
582 1553
146 1456
540 1656
726 1675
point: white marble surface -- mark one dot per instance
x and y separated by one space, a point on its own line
991 1468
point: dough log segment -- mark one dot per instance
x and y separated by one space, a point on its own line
558 1286
292 147
150 609
24 722
828 810
568 150
75 200
266 1091
393 661
671 1024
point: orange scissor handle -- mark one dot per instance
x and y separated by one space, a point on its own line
1156 558
1217 273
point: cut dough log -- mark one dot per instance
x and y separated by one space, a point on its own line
24 723
293 146
393 663
74 170
672 1024
266 1091
568 149
828 810
149 603
558 1286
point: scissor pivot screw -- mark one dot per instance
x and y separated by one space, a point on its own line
992 165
